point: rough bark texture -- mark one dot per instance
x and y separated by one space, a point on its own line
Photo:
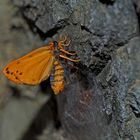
101 97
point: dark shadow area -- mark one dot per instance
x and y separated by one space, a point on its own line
138 14
54 30
135 111
47 114
45 86
15 91
107 2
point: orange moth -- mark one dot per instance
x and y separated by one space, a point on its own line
39 64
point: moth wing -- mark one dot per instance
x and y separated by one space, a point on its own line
32 68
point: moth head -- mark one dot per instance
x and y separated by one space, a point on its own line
55 45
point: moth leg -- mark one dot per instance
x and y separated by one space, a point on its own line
65 57
51 44
61 43
66 52
67 44
64 43
63 40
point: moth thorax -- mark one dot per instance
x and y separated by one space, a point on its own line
56 49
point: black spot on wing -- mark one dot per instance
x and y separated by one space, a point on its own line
7 72
20 73
17 62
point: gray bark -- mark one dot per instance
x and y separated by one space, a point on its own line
101 98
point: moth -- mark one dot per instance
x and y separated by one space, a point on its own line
38 65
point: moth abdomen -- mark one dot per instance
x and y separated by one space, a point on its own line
57 78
